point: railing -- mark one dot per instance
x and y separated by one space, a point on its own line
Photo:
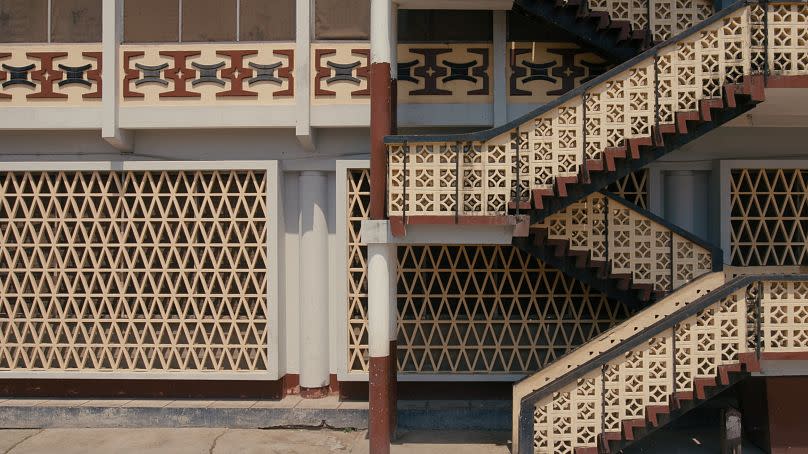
662 352
628 103
631 241
662 18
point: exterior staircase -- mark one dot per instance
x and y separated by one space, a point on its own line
621 249
544 174
592 136
546 165
660 364
618 29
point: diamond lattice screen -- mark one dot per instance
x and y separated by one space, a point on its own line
633 187
133 271
472 309
769 217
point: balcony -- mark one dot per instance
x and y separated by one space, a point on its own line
258 85
57 86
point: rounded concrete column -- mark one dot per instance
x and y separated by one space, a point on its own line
313 278
381 344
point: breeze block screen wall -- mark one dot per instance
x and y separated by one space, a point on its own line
767 218
475 309
161 271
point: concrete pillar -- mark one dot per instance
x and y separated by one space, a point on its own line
382 313
112 37
687 201
381 256
314 358
382 44
500 50
303 129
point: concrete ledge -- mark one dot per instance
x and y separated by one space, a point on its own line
291 412
481 415
143 417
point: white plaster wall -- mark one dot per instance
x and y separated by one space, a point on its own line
204 144
703 155
231 145
291 290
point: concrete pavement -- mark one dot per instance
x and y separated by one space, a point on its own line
246 441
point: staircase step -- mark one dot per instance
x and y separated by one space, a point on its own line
612 153
561 184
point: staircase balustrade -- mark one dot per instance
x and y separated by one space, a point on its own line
661 363
599 132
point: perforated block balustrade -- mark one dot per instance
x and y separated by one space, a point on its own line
661 363
618 238
603 130
134 271
474 309
620 28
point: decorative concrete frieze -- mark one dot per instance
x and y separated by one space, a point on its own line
203 74
54 74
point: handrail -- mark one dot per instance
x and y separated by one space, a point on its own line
529 401
561 100
715 250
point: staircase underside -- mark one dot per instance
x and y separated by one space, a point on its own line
614 39
615 164
557 254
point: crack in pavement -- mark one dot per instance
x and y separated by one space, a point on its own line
7 451
216 440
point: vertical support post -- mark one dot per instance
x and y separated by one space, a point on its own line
381 113
112 37
303 129
657 134
392 335
606 228
584 156
518 169
753 297
313 330
382 256
394 68
500 51
649 30
673 361
382 313
406 202
672 251
602 437
766 54
460 148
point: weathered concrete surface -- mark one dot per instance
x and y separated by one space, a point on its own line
241 414
11 438
452 442
178 414
287 441
122 441
462 415
227 441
